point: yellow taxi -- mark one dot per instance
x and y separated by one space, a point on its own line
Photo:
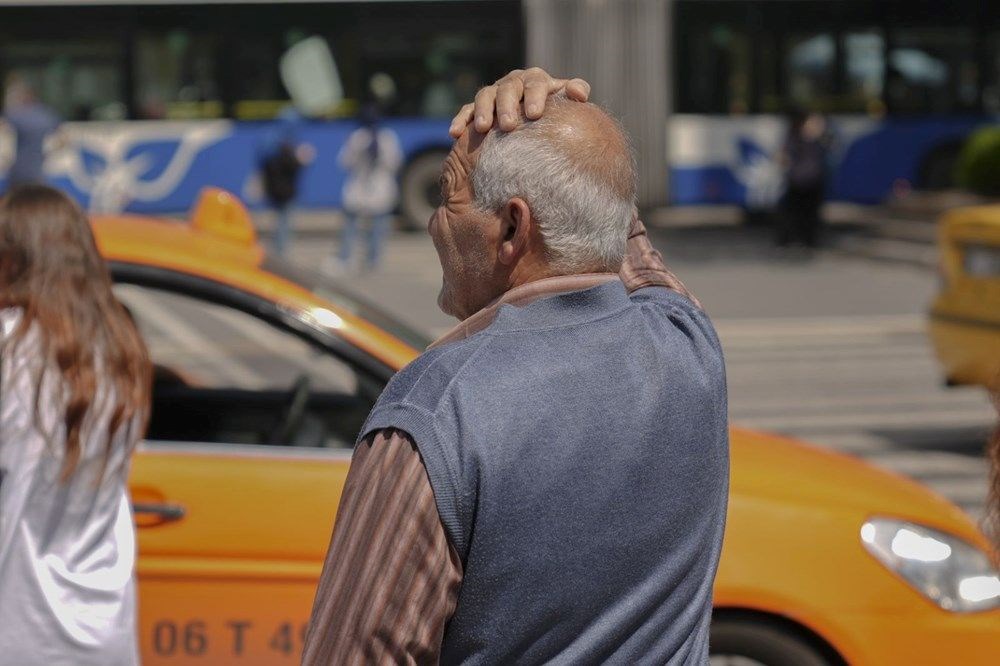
263 377
965 315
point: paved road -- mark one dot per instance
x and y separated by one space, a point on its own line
829 347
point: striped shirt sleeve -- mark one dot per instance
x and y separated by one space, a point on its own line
643 265
390 581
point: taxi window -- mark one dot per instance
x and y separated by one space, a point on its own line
225 376
344 297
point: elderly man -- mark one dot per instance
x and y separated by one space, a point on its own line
547 482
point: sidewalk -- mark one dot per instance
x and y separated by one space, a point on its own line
327 220
901 231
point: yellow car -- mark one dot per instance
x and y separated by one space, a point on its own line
965 316
262 380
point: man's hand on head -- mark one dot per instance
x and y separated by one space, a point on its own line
501 101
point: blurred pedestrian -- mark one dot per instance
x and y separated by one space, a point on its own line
74 402
372 157
32 122
281 162
513 488
804 155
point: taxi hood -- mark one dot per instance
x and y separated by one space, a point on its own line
772 467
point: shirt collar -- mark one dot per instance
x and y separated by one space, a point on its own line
521 296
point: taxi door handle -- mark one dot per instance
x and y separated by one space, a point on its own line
165 512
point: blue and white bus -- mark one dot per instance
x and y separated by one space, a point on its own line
904 82
161 99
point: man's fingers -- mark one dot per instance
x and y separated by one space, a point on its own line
485 106
508 100
461 120
537 86
578 89
504 98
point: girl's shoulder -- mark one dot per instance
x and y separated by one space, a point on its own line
9 319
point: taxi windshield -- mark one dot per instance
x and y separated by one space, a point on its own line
343 297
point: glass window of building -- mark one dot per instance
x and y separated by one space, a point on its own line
176 75
80 79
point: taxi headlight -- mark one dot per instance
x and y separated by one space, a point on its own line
952 573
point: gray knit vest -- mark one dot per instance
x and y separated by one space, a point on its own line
578 452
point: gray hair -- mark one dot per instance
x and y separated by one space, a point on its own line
579 185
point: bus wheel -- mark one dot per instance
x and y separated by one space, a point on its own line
748 643
421 189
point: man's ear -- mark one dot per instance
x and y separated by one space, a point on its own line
516 221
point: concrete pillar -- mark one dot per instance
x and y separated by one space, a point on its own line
622 47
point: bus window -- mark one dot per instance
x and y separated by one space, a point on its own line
768 64
991 76
435 57
932 70
810 69
715 69
257 88
80 79
176 75
864 65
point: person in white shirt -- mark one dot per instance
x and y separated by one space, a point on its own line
74 401
372 157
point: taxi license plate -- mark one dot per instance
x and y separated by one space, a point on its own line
982 261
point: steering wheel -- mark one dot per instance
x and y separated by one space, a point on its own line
293 413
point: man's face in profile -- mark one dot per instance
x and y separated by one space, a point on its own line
464 236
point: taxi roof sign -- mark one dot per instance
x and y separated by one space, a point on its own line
223 215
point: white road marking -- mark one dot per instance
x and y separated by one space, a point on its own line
822 326
849 420
841 402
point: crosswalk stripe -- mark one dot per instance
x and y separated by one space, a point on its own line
884 325
749 406
916 463
959 490
823 354
898 419
849 367
779 382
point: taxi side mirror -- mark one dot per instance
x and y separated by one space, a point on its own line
223 215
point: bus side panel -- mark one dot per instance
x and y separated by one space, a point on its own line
160 166
894 151
734 160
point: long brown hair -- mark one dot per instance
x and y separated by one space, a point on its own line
992 518
50 268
